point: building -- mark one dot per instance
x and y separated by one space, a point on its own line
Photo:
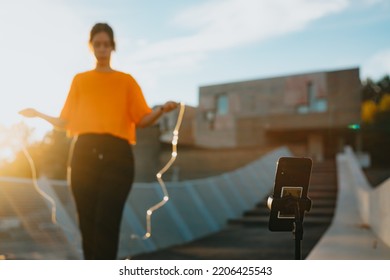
314 109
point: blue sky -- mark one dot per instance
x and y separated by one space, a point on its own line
172 47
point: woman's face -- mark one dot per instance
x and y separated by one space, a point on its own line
102 46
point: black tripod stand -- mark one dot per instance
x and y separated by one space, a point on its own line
291 204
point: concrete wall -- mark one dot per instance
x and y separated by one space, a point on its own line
198 163
374 203
345 100
168 121
146 153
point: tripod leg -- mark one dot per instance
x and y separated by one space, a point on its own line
298 254
298 233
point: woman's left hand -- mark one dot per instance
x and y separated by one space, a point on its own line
169 106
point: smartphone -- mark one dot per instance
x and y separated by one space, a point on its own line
292 178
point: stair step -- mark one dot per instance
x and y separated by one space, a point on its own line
315 211
262 221
324 201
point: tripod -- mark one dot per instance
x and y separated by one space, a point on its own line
299 205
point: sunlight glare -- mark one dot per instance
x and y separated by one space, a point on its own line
12 139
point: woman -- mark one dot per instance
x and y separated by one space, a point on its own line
102 109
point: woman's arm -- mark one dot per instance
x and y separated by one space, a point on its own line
32 113
153 116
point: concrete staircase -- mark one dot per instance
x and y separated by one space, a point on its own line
322 191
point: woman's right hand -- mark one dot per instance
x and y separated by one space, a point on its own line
32 113
29 113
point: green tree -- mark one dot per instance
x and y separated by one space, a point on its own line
49 157
55 154
376 119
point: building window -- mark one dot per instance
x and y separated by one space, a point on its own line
222 104
314 104
320 105
303 109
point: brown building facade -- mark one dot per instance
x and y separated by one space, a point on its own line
314 108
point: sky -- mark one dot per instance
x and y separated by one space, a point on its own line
173 47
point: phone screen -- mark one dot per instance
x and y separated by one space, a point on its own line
295 192
292 179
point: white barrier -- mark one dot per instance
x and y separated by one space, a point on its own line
361 226
380 211
363 188
374 204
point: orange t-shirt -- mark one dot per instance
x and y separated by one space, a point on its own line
104 102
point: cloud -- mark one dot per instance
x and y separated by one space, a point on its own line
221 24
376 66
371 2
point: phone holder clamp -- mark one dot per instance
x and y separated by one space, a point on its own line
300 205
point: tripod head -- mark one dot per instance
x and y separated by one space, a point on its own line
289 201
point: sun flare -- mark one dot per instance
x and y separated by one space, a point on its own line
12 139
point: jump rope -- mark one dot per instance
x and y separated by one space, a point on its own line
159 175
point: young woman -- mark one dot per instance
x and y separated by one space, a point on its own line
102 110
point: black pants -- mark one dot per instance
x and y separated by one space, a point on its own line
102 172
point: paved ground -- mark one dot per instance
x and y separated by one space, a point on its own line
26 228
